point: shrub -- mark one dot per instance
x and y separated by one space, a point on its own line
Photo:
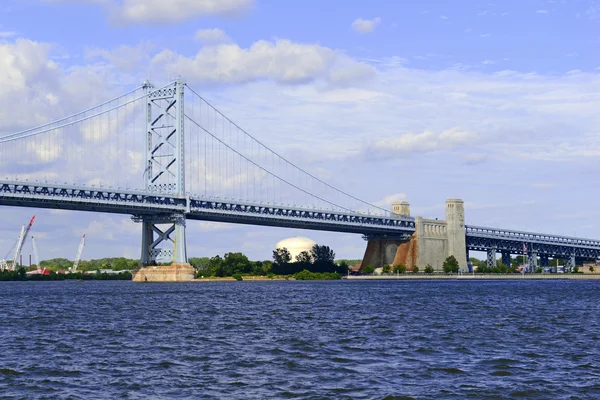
399 269
415 270
368 269
451 265
386 269
428 269
237 277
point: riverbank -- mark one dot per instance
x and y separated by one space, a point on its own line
475 277
244 278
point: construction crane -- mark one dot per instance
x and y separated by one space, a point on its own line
35 253
17 247
79 252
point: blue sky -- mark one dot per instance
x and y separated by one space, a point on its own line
493 102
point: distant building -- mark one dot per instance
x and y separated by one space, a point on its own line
296 245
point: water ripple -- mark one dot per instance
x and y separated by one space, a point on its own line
309 340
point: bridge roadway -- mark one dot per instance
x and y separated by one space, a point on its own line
508 241
140 203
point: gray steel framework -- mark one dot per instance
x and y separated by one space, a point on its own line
165 172
162 207
538 244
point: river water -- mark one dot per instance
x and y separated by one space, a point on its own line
309 340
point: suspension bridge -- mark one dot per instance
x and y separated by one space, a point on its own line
165 155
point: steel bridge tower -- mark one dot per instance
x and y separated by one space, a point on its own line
164 172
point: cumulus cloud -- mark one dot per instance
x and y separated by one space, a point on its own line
160 11
211 36
387 201
365 25
424 142
125 58
282 61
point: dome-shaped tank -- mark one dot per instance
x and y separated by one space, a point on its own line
296 245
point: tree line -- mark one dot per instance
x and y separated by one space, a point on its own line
320 259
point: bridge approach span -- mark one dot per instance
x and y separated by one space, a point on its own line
142 203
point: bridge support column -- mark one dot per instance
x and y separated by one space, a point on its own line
381 250
571 263
154 237
532 261
491 258
544 261
506 258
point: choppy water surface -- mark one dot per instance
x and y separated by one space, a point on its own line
359 340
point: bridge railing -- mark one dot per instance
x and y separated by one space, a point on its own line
529 237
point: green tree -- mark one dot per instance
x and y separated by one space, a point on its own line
368 269
428 269
120 264
236 263
281 256
343 267
322 254
451 265
200 264
215 267
415 269
501 267
304 257
576 269
386 269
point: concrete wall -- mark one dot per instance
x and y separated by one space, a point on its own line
457 243
433 242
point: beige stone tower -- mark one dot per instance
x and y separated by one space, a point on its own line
455 219
401 208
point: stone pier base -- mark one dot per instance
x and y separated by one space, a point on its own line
164 273
380 252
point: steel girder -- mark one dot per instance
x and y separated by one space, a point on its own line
141 203
482 239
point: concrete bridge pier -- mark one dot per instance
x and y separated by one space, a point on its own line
154 236
381 250
506 258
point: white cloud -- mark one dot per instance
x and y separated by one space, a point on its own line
125 58
211 36
443 17
542 12
424 142
7 34
365 25
387 201
593 12
160 11
475 158
282 61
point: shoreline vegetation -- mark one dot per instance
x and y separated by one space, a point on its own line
21 275
318 263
